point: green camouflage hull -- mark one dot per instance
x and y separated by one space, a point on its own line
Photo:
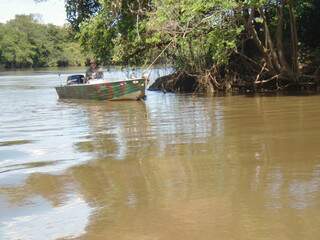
122 90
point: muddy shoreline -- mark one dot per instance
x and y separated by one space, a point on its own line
180 82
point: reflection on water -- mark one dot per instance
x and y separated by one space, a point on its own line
174 167
64 221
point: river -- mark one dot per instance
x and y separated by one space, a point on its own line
177 167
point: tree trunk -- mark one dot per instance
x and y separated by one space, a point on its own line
294 40
273 53
279 40
263 49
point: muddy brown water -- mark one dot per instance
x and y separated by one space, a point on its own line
176 167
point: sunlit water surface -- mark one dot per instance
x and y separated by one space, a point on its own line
176 167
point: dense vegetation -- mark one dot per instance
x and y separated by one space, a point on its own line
24 42
217 44
220 44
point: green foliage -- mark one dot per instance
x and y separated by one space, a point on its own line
131 32
197 33
204 32
79 11
24 42
116 34
96 38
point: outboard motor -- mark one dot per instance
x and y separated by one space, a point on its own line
75 79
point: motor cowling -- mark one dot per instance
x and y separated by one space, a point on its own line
75 79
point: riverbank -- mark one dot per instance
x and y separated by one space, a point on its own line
181 82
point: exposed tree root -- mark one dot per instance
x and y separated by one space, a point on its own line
242 75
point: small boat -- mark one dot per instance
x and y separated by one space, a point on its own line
101 89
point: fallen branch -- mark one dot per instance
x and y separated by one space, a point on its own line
262 69
268 80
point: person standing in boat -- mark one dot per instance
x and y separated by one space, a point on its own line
93 72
